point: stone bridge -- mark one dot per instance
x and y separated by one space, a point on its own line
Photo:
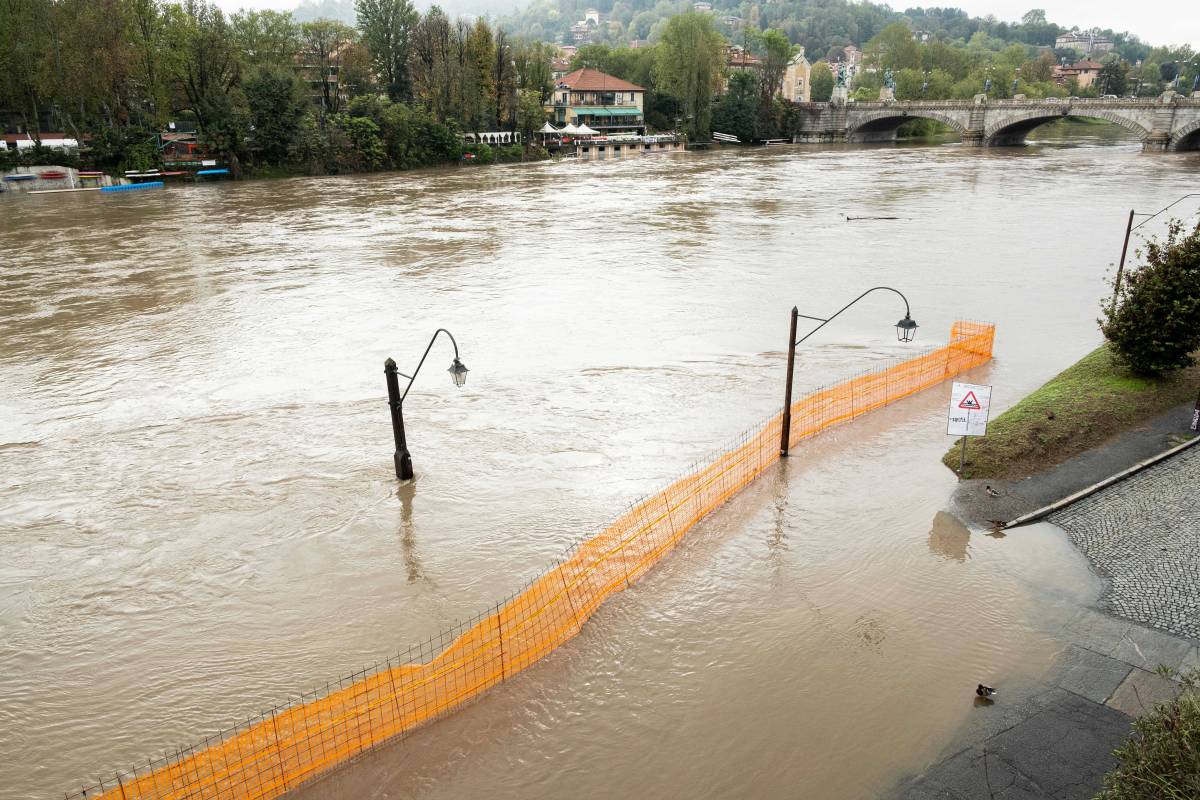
1169 122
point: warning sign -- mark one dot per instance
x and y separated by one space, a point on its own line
969 406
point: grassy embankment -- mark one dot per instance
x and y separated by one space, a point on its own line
1084 405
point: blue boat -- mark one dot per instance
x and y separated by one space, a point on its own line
212 172
130 187
20 177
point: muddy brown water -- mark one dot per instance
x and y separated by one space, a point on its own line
198 514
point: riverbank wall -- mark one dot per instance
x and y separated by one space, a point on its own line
296 743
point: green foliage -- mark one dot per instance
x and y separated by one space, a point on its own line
1155 326
478 153
821 80
276 100
689 63
1086 404
509 153
736 112
387 27
1112 78
1161 758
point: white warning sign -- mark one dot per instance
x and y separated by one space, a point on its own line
969 406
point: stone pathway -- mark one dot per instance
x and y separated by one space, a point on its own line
1143 535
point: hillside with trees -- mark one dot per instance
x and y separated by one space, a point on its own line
309 92
262 89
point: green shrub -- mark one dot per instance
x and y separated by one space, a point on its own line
507 153
480 153
1155 324
1161 758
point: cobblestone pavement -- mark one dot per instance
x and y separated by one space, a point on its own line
1143 534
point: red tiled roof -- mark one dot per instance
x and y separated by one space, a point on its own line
593 80
1087 65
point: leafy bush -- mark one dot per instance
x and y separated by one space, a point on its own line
512 152
479 153
1155 325
1161 759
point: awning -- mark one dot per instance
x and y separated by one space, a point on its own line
548 128
602 111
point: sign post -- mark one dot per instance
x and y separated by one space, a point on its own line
970 404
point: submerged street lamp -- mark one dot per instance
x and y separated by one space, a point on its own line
906 331
458 373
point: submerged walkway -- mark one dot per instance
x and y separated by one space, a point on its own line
1054 739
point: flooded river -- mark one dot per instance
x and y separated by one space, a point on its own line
199 517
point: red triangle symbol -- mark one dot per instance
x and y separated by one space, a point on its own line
970 402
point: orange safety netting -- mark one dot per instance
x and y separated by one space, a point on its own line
290 745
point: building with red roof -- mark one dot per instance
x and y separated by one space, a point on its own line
601 101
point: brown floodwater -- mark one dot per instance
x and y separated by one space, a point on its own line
198 514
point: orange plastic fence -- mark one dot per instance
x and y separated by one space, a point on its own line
289 745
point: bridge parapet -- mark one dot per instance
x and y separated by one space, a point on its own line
1167 122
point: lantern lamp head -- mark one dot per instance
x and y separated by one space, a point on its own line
458 373
906 329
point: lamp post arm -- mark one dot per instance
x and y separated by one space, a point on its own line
413 377
824 322
1149 217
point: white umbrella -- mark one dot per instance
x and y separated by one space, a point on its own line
584 130
548 128
569 129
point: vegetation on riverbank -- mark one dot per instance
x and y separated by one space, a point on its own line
1161 759
1085 404
1147 366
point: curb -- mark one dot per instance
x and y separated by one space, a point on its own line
1044 511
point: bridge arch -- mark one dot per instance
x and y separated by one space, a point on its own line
1011 129
1186 138
881 125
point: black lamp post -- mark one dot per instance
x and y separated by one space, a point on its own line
906 330
458 373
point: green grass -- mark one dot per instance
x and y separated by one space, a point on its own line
1084 405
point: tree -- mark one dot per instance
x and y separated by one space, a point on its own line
1035 16
689 66
533 68
737 111
1112 78
776 53
821 80
894 48
480 110
322 45
207 71
432 63
266 38
277 101
1155 325
386 27
531 114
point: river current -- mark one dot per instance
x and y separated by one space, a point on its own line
199 515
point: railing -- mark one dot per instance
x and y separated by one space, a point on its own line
309 735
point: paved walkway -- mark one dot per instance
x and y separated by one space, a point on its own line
1143 536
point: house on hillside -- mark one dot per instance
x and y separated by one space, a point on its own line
602 102
559 67
1084 73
